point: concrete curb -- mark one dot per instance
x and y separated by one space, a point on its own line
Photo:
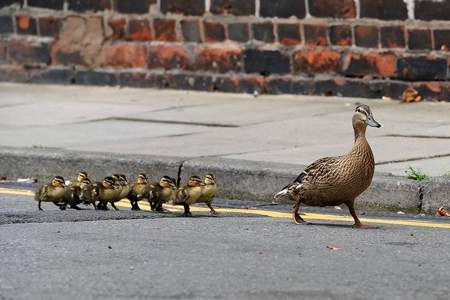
238 179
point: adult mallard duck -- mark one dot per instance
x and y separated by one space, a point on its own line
332 181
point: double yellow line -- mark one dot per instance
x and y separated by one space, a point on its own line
271 213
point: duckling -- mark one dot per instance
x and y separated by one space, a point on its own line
209 190
189 194
52 192
106 191
78 192
332 181
77 180
139 191
126 187
161 192
121 186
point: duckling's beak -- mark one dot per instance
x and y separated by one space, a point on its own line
371 122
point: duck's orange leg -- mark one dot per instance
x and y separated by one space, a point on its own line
351 208
295 214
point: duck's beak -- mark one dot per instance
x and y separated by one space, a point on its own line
371 122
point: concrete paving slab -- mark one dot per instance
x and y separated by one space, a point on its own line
95 136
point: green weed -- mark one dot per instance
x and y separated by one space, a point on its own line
415 174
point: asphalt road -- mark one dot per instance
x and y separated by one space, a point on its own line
127 255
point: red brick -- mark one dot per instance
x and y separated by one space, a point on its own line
366 36
433 90
67 57
191 31
5 3
117 28
392 37
89 5
95 78
28 53
164 29
26 25
338 9
316 35
266 62
139 30
191 7
220 59
372 63
384 9
6 25
442 40
214 32
341 35
263 32
415 68
238 32
79 42
124 56
432 10
50 4
169 57
133 6
419 39
316 61
49 26
289 34
240 84
233 7
2 50
283 8
13 73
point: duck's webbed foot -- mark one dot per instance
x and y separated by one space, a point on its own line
361 226
358 224
212 210
135 206
298 219
102 206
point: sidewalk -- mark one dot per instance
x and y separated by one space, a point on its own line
268 130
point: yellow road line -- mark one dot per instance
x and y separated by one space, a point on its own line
268 213
16 192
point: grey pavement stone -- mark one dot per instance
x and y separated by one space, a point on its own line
436 193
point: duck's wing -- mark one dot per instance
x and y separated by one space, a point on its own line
322 173
40 193
315 174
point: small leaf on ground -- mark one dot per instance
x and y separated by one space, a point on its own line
333 248
442 212
411 95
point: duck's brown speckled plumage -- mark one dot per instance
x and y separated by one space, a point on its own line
332 181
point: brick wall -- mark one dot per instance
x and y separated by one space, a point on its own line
362 48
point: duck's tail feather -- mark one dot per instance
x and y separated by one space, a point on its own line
281 193
289 189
